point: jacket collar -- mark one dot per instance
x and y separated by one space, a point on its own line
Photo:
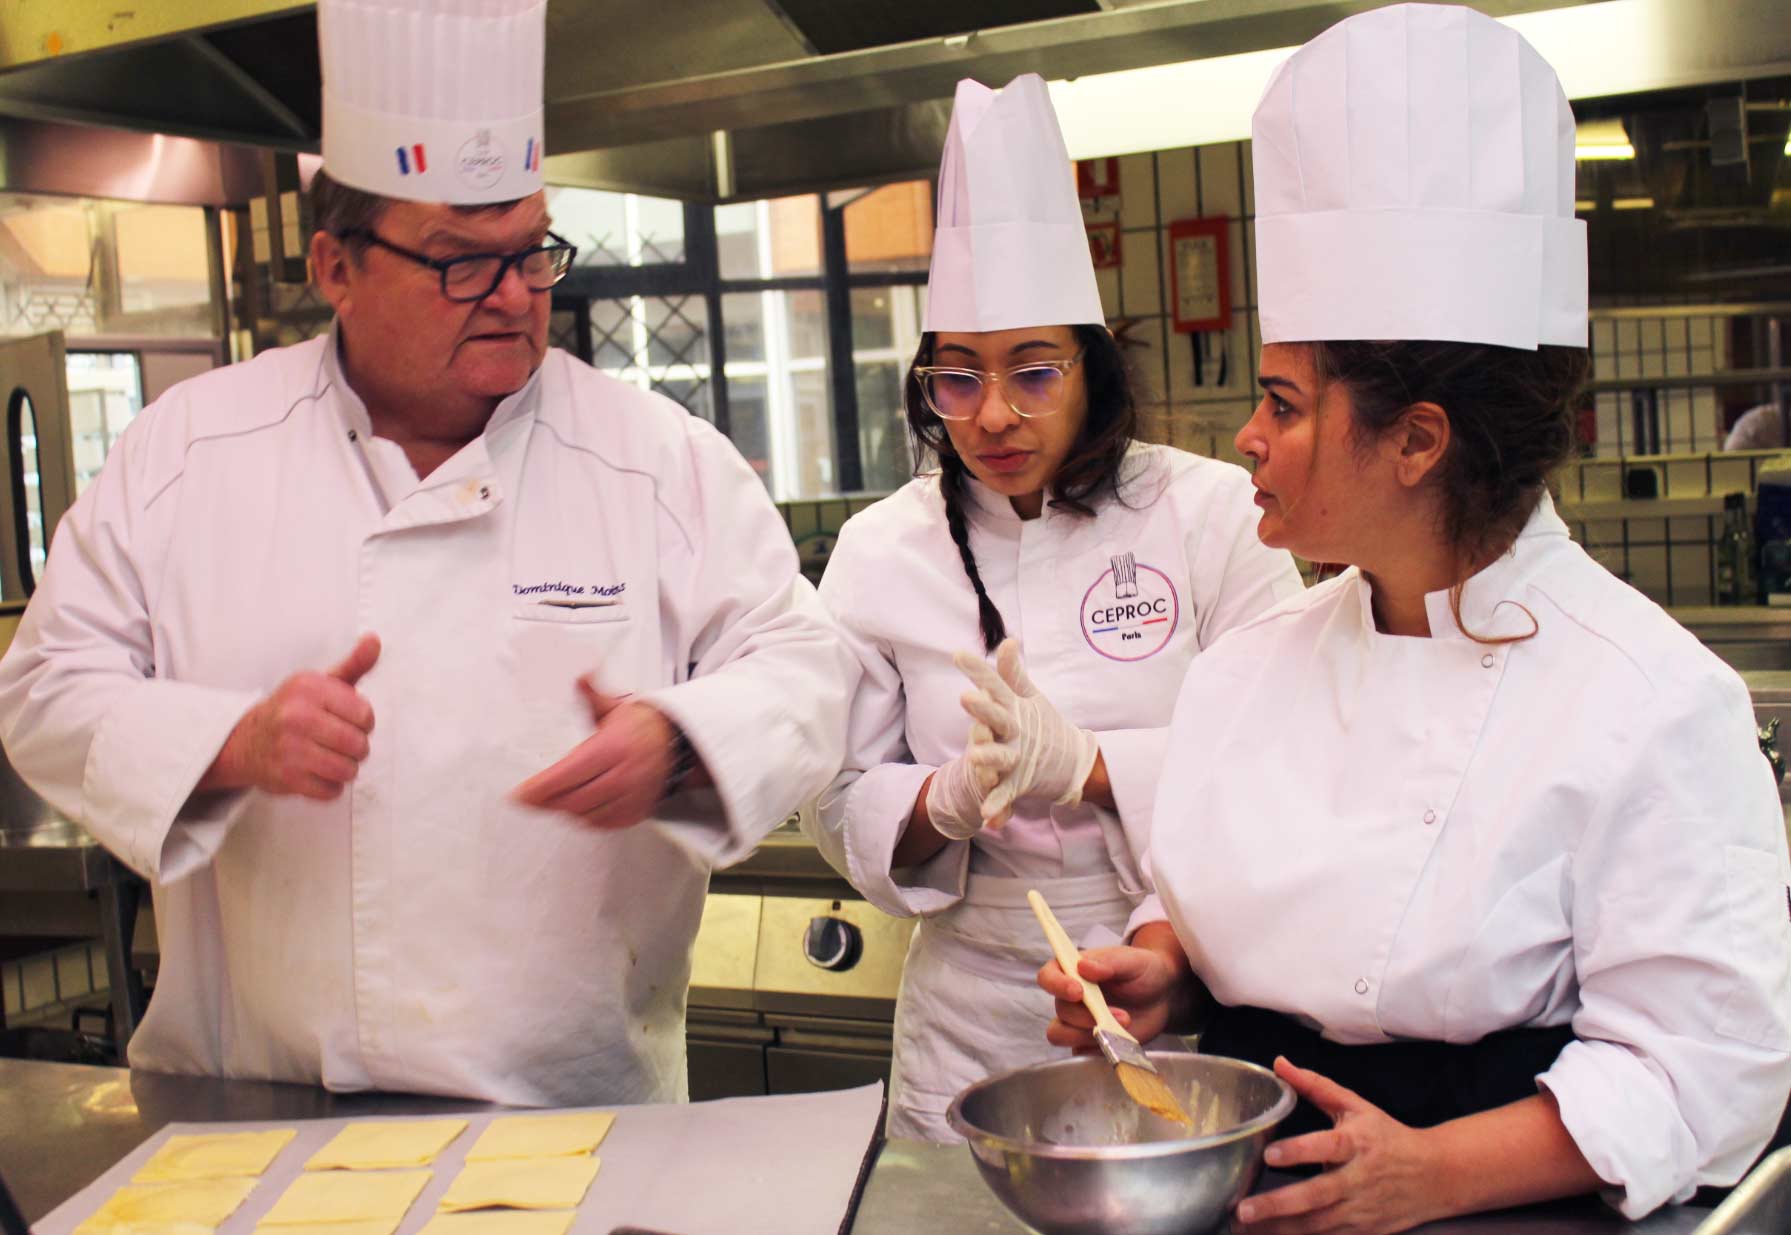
513 408
1490 604
993 507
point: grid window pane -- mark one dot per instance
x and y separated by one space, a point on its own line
658 343
618 229
891 229
776 239
780 412
885 336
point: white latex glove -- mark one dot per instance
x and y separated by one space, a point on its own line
1048 756
955 795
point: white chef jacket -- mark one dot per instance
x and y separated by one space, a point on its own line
1435 839
421 932
1109 611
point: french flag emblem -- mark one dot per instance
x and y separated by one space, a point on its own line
409 156
531 155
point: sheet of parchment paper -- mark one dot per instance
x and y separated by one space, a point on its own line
781 1165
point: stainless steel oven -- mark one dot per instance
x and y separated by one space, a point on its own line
792 993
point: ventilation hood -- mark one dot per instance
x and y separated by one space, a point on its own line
727 99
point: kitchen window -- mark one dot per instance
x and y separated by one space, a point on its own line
807 307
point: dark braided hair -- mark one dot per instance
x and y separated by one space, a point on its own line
1088 473
1511 416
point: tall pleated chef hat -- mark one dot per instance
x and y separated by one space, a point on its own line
1009 249
433 100
1414 180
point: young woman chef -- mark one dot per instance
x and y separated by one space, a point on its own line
1473 843
1111 563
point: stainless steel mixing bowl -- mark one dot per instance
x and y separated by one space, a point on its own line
1069 1153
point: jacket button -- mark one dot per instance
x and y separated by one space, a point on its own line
484 492
1486 662
1430 816
1361 986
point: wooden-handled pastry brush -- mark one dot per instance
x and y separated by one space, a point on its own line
1136 1073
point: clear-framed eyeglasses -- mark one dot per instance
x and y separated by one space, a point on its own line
477 275
1036 388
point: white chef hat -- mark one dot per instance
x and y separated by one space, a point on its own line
1414 180
433 100
1009 249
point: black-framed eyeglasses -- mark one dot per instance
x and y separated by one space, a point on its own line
1036 388
477 275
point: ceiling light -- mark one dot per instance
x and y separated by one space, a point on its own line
1602 139
1633 203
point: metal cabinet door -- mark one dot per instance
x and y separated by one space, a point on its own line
37 452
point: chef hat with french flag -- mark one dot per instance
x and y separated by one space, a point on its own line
433 100
1010 249
1415 180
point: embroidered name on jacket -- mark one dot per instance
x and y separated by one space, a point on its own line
561 594
1130 611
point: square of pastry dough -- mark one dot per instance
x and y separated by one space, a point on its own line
520 1183
346 1196
186 1207
501 1222
379 1144
213 1155
541 1136
370 1226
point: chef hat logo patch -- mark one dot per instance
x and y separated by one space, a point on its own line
480 161
1130 611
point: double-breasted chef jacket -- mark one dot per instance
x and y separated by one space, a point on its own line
1437 839
422 932
1109 611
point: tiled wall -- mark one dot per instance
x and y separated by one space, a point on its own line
815 525
43 988
1156 190
1629 348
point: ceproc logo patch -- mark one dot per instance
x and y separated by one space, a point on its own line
480 161
1130 610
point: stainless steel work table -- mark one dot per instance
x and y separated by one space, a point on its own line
61 1125
55 879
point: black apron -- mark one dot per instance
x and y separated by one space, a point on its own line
1420 1084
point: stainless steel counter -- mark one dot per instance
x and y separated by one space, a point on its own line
62 1125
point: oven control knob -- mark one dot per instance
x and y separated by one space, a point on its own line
832 943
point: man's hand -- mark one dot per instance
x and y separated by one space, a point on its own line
307 738
612 779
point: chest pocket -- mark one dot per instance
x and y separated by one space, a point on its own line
547 648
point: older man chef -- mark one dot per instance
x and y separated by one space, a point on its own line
353 885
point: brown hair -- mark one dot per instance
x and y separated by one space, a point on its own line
1088 473
1511 419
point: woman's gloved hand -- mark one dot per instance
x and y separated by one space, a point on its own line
956 791
1045 756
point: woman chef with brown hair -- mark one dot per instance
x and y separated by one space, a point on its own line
1474 844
